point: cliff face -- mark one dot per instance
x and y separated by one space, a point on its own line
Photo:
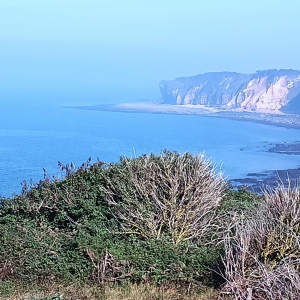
263 91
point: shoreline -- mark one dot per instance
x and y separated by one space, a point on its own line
254 182
257 182
154 107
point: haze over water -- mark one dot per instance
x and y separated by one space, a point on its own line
55 53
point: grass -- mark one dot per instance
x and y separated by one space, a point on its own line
127 292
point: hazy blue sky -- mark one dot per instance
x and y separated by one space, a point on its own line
91 50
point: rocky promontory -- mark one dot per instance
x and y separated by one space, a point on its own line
286 148
269 91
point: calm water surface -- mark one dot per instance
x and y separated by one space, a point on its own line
33 137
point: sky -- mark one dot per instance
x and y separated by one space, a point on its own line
106 51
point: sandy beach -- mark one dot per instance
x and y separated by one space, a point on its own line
276 118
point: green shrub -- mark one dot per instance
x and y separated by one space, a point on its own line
7 288
157 260
39 227
75 228
239 201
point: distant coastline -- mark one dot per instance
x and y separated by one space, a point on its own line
255 182
156 107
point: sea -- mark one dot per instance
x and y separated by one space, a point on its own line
38 136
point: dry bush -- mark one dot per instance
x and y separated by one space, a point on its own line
106 270
6 269
169 194
262 259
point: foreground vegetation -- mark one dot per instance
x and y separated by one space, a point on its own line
152 227
92 292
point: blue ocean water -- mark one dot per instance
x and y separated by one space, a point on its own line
33 137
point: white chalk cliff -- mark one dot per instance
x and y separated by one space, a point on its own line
264 91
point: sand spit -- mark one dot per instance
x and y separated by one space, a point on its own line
276 118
